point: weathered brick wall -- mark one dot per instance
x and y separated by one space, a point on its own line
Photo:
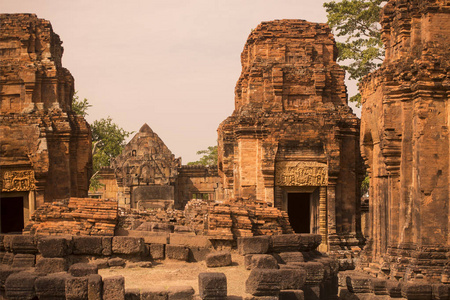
292 129
405 142
75 216
40 133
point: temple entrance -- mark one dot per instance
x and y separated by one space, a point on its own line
12 212
299 211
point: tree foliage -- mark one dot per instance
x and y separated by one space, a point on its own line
355 23
80 107
108 141
209 157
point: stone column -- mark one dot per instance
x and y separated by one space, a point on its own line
333 239
323 218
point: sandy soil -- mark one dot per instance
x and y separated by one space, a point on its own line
176 273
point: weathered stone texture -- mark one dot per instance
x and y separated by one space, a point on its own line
75 216
146 169
292 130
46 148
405 141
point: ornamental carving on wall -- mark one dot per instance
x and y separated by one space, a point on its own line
291 173
18 181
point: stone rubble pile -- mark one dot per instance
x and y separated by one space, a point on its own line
74 216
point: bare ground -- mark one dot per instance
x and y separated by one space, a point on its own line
176 273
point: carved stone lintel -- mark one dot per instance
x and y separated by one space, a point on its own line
18 181
289 173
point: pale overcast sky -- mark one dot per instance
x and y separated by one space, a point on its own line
170 64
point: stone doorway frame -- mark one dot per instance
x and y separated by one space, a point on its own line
28 205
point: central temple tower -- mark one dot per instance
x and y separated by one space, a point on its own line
292 140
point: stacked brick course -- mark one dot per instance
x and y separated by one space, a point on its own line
76 216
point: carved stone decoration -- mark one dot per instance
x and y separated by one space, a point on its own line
292 131
39 130
18 181
405 142
302 173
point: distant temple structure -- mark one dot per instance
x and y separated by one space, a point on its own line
45 149
147 175
292 140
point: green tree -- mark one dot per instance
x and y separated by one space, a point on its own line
108 140
355 23
209 157
80 107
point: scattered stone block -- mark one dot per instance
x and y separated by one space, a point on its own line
177 252
5 271
248 261
51 265
190 240
77 288
24 261
7 239
293 279
82 269
378 286
95 287
263 261
314 272
440 291
253 245
116 262
101 263
8 258
285 242
358 284
288 257
24 244
212 286
51 287
264 282
218 259
52 246
197 254
292 295
88 245
127 245
417 290
156 251
132 294
180 293
394 288
114 288
154 293
20 286
106 245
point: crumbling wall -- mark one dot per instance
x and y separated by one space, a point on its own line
74 216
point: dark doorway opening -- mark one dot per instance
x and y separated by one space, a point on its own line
11 214
299 212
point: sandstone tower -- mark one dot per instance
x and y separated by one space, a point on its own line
405 141
45 151
292 140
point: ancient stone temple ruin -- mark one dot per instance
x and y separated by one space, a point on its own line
292 140
45 151
405 142
145 171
